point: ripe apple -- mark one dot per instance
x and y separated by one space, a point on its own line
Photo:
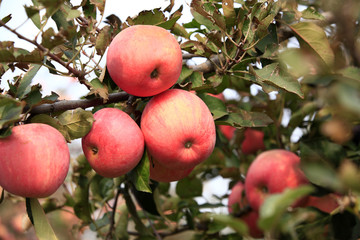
115 143
253 141
272 172
144 60
228 131
178 128
326 203
34 160
161 173
237 196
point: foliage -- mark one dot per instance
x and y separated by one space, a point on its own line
312 88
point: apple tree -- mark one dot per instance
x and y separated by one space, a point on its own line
279 75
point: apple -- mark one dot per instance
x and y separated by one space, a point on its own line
115 143
34 160
144 60
178 128
272 172
237 196
253 141
161 173
228 131
326 203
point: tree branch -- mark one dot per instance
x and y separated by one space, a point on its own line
64 105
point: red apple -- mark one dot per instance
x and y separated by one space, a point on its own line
237 196
161 173
272 172
34 160
179 129
326 203
115 143
228 131
144 60
253 141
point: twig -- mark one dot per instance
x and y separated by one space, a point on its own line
73 104
112 220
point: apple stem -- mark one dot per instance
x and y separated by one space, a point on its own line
154 73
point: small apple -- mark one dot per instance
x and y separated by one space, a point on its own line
161 173
115 143
253 141
272 172
237 196
179 129
144 60
34 160
326 203
228 131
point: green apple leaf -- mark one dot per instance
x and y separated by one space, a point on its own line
77 122
244 118
235 223
38 218
10 110
313 36
215 105
140 175
82 207
100 5
275 205
189 187
24 86
103 40
55 123
122 223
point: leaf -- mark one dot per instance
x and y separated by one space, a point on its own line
50 39
77 122
215 105
122 223
100 4
140 175
210 17
6 19
51 6
55 123
99 89
103 40
270 74
275 205
229 12
10 110
245 119
148 17
236 224
189 187
312 36
312 13
33 13
24 86
42 226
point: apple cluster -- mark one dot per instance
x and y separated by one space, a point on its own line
176 126
272 172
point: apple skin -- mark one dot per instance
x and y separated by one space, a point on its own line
253 141
179 129
161 173
115 143
228 131
272 172
326 203
34 160
237 196
144 60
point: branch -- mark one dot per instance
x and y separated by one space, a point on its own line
64 105
75 72
112 220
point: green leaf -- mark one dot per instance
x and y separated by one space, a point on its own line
55 123
275 205
244 118
189 187
50 39
82 207
103 40
312 36
271 75
33 13
235 223
229 12
99 89
215 105
312 13
24 86
51 6
6 19
42 226
140 175
122 223
207 15
77 122
10 110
